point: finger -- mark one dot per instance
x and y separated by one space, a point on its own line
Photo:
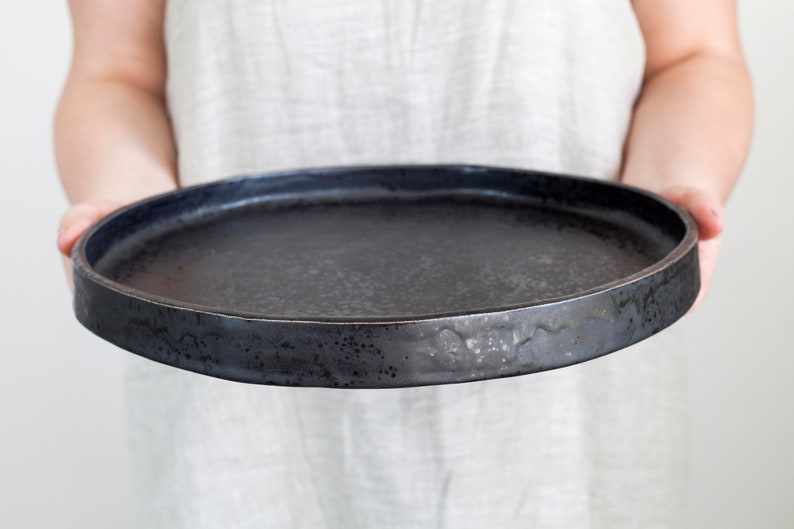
708 251
705 208
699 299
67 268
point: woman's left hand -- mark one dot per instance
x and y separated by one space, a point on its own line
707 211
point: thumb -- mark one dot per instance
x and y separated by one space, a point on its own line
78 219
705 208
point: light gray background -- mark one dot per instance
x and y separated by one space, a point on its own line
62 431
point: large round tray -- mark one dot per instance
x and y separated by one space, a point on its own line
375 277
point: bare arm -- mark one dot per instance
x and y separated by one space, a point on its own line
112 135
692 125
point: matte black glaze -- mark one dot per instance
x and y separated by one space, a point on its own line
385 277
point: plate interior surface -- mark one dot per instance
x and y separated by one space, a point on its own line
388 256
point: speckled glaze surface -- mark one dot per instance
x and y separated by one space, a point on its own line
377 277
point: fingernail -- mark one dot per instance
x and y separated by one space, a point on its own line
715 213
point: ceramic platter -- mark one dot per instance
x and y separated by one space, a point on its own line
376 277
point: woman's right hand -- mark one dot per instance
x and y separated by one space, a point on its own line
74 223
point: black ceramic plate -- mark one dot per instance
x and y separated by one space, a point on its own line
386 276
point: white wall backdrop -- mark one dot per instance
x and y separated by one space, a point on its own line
63 456
62 439
742 372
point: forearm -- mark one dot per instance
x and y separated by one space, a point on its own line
113 142
691 127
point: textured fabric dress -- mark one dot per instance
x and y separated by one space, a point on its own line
256 86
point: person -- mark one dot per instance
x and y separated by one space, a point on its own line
162 94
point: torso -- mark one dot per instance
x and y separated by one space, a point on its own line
260 86
544 84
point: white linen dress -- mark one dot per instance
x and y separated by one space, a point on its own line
264 85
